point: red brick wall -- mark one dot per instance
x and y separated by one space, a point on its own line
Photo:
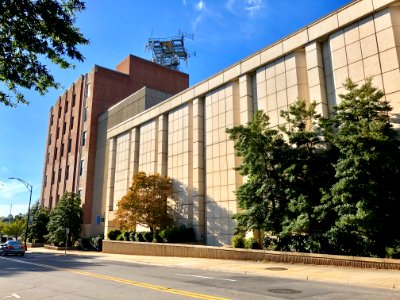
108 87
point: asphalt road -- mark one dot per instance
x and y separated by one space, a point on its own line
55 276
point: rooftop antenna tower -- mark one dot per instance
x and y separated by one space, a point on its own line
169 52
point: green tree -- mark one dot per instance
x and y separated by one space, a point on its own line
2 229
309 173
264 153
146 203
16 228
40 217
67 214
365 197
31 33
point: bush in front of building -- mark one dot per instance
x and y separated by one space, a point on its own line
251 243
113 234
93 243
177 234
238 241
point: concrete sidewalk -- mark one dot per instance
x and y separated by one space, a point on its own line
371 278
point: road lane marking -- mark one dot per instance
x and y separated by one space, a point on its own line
13 295
125 281
205 277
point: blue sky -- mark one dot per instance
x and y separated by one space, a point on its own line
225 31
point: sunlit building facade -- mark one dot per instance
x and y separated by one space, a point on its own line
73 122
184 137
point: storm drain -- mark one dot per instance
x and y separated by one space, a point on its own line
276 269
284 291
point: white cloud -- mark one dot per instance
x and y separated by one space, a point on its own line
196 22
252 6
4 169
15 210
11 189
230 5
201 5
184 2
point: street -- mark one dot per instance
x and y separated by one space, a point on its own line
85 276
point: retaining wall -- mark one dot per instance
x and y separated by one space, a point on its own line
197 251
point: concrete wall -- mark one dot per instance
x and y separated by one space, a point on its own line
182 250
185 134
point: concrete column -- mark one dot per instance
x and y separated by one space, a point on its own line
316 77
110 185
134 151
246 99
162 149
198 190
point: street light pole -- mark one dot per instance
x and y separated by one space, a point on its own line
29 187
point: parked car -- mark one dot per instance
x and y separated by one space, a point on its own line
12 247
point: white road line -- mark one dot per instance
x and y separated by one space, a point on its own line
205 277
13 295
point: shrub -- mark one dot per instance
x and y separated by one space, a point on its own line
86 245
126 235
238 241
147 236
139 237
156 237
168 234
132 236
121 237
97 242
251 243
113 234
181 234
393 252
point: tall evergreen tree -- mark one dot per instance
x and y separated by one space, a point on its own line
40 217
67 214
365 198
308 174
264 153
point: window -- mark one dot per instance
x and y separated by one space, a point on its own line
87 92
81 167
45 180
52 177
51 202
62 149
64 127
59 174
59 112
51 119
69 145
80 193
73 100
84 138
72 123
50 139
67 172
57 198
47 157
85 115
66 106
55 153
57 133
